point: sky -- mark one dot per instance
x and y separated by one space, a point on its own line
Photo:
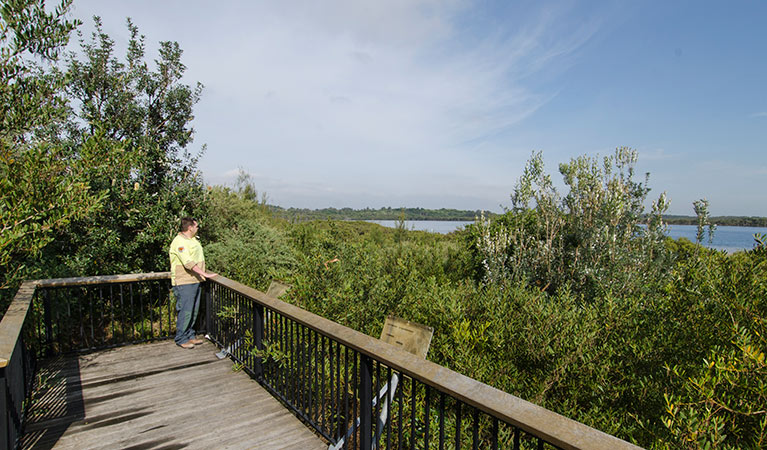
439 104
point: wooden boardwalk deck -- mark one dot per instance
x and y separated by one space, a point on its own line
157 396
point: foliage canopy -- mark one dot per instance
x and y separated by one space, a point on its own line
94 157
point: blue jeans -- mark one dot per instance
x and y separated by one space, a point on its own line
187 307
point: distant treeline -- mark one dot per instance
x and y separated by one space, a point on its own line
386 213
738 221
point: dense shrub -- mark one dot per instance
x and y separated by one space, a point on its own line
593 241
723 397
357 272
246 245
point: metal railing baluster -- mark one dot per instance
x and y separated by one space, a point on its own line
121 313
141 312
441 420
159 308
258 338
400 402
457 424
93 330
426 417
412 413
80 326
132 315
377 409
357 392
301 375
389 407
366 402
331 384
313 374
48 322
170 324
345 420
322 381
337 406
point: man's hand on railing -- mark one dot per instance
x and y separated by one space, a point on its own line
196 269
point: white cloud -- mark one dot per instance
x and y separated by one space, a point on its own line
357 96
656 154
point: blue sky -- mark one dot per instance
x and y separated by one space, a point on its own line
440 103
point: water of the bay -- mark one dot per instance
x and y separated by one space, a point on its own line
730 239
432 226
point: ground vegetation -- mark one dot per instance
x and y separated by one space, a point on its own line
576 301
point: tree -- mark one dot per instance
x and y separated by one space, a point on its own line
30 97
40 189
137 119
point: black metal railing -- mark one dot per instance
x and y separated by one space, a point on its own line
354 390
72 316
358 392
60 316
330 385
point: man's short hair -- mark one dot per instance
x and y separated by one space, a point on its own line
186 222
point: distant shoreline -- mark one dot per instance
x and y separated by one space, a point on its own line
458 215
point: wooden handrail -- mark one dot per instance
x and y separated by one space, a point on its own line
102 279
13 320
536 420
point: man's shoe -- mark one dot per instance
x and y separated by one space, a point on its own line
187 344
196 341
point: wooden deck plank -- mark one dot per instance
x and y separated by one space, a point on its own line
158 396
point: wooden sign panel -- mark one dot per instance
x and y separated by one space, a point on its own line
413 337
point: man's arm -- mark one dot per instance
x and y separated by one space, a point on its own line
196 269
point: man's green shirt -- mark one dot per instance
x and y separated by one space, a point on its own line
185 253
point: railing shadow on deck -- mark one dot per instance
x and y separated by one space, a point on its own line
55 403
352 389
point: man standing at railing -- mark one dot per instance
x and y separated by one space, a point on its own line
187 271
